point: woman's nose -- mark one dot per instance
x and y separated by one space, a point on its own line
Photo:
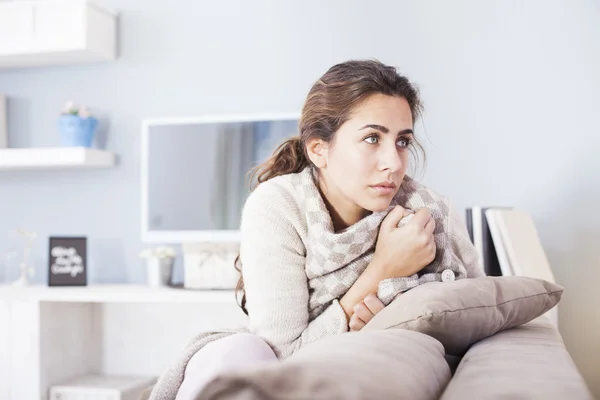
390 159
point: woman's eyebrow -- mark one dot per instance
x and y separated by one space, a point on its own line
383 129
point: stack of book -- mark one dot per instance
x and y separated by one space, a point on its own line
507 242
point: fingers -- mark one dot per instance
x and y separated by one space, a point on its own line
430 226
422 217
356 324
431 248
391 220
363 312
373 303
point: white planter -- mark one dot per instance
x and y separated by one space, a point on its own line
160 271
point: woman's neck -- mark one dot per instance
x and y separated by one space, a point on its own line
342 210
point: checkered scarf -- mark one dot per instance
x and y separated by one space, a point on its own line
335 260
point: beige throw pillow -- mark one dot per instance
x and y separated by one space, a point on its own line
462 312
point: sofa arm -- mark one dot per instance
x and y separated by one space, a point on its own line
526 362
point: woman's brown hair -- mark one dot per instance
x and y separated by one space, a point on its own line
328 105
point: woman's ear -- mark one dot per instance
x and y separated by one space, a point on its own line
317 152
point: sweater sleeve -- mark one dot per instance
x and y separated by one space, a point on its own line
273 267
462 246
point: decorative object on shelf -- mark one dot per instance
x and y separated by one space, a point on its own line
77 126
3 123
67 261
9 256
210 265
25 269
5 264
159 265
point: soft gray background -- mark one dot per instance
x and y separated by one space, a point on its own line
511 90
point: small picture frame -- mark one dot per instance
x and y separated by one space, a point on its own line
67 261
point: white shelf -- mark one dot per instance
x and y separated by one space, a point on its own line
55 157
124 293
54 32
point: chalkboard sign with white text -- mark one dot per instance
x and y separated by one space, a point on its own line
67 261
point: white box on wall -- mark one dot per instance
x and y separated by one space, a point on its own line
17 31
210 265
56 32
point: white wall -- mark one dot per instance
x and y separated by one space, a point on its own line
511 91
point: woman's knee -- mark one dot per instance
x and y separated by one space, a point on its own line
238 351
246 348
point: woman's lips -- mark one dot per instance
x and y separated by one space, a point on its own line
383 189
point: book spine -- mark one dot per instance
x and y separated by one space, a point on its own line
490 256
477 233
469 223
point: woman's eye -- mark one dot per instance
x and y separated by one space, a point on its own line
371 139
403 142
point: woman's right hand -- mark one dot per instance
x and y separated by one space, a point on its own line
404 251
399 252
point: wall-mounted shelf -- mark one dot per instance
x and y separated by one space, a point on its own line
53 32
54 158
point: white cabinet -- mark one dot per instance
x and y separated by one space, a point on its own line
49 335
47 32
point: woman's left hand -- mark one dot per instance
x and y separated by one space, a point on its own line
365 311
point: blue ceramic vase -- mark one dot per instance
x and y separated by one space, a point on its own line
77 131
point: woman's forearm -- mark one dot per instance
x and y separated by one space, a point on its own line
366 283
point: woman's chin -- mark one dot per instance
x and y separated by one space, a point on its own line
378 205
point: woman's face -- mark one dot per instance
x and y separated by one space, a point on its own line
367 160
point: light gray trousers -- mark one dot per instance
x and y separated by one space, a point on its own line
235 352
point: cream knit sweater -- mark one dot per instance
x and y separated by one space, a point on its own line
295 267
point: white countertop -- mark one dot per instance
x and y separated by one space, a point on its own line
115 293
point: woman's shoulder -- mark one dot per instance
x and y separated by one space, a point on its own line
272 210
277 196
275 190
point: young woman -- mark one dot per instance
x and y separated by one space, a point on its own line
321 241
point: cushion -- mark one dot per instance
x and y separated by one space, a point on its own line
393 364
529 362
462 312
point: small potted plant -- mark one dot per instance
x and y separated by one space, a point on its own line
77 126
159 265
